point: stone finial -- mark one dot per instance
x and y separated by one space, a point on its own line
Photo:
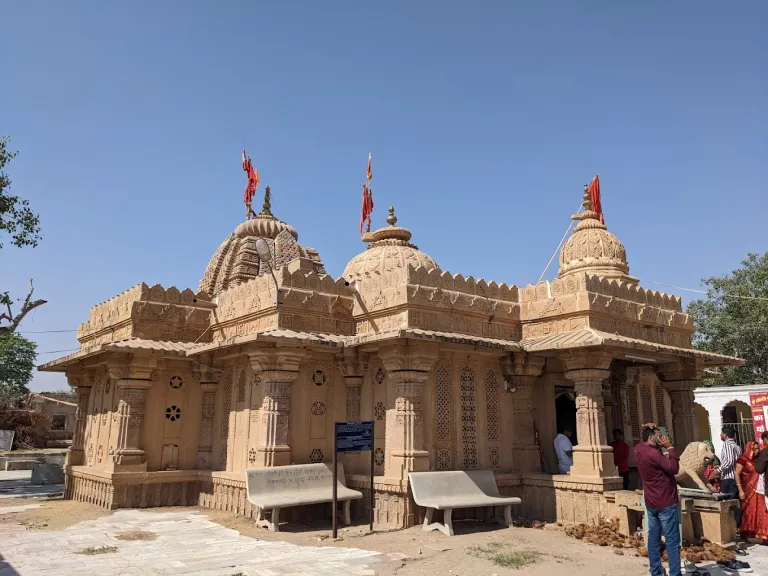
391 219
586 200
265 209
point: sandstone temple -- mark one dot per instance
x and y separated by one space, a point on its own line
180 391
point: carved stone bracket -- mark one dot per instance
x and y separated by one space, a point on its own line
137 367
409 367
278 368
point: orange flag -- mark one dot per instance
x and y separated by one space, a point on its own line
594 197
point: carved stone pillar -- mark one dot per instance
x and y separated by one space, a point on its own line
133 381
592 456
680 380
684 427
208 382
353 367
610 407
522 371
82 383
129 450
279 369
409 367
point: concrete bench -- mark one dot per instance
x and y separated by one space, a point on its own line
297 485
458 489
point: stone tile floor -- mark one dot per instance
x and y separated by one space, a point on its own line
187 543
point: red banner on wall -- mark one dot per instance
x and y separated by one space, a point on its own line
758 401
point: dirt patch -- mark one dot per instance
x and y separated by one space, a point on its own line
95 551
52 514
136 535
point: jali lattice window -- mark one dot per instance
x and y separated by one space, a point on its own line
443 400
645 398
226 406
317 409
492 404
316 456
633 415
173 413
241 387
318 378
661 413
443 459
175 382
468 418
378 377
494 457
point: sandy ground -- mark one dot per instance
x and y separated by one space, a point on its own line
53 514
470 552
476 549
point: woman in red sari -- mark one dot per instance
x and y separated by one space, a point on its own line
754 519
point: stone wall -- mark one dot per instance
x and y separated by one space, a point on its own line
154 313
582 300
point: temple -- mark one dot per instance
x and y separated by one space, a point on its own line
180 391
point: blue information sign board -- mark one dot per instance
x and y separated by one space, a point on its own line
354 436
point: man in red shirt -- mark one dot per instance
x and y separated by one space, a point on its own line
621 455
661 501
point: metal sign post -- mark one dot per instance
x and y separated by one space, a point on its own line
351 437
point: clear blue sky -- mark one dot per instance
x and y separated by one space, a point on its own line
484 120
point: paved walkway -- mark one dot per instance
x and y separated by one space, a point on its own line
187 543
16 484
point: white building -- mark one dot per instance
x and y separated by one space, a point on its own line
717 406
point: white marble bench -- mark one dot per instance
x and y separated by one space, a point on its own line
458 489
297 485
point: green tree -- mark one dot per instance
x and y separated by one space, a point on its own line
16 217
17 361
733 320
23 225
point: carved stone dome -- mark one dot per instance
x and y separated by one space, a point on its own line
591 248
390 251
237 259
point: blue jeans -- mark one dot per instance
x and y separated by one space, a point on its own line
665 521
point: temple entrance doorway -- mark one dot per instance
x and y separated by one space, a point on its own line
565 412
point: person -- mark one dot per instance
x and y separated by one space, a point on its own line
761 464
564 450
712 474
661 500
729 454
621 456
754 516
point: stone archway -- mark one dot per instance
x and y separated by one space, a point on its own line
738 415
702 422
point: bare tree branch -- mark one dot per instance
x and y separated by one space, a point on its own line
26 308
